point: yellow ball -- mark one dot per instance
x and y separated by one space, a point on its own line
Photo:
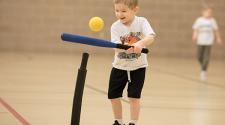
96 24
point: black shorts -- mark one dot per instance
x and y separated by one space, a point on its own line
119 79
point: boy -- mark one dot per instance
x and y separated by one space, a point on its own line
129 66
205 29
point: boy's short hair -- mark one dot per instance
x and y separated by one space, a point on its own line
130 3
207 7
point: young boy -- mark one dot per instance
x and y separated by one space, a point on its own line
129 66
205 29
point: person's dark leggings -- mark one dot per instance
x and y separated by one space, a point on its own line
203 56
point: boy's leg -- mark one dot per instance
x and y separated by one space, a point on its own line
134 109
205 62
134 93
200 55
117 83
201 59
206 56
117 108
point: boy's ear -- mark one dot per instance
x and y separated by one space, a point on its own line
136 9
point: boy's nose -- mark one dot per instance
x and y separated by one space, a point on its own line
119 14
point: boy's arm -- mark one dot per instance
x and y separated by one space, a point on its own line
218 38
194 35
216 32
146 41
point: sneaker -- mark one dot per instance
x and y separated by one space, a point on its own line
203 75
117 123
131 124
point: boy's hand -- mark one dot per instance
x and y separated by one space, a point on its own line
130 50
194 40
136 48
219 41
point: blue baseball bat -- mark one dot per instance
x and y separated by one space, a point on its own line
95 42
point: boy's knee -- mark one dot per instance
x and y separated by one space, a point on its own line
116 100
134 101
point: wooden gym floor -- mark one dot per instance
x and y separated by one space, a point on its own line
37 89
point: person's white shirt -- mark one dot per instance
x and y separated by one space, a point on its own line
205 28
120 33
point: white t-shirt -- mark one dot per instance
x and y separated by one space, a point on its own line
206 28
128 35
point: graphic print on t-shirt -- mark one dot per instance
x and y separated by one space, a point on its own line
130 39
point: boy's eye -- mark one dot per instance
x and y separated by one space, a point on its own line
124 11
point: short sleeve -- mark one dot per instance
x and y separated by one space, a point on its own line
196 24
114 35
146 28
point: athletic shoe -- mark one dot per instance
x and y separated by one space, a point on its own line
203 75
117 123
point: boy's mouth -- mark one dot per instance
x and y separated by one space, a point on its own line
122 18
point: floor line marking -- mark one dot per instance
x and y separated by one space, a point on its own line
19 117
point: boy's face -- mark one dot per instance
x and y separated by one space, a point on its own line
207 13
124 13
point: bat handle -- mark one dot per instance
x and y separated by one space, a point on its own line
144 50
121 46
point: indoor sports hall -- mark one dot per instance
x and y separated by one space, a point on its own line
38 70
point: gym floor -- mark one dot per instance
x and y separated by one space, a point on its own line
38 88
